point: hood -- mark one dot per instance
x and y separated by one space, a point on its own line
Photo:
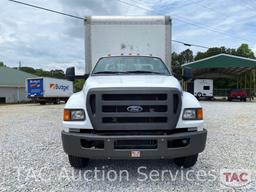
131 81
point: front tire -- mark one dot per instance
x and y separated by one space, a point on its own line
42 102
78 162
186 162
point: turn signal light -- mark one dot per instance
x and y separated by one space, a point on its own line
66 115
199 112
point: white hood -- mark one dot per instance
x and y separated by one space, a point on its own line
131 81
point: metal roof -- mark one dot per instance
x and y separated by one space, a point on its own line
221 65
13 78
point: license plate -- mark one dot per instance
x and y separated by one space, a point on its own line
135 154
238 96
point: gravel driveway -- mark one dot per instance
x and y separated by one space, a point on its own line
32 158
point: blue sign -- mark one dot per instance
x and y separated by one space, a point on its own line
35 87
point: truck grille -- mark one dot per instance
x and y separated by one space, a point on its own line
133 108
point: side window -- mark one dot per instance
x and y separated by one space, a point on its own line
206 87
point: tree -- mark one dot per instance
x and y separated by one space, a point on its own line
28 70
210 52
245 51
176 67
179 59
186 56
57 73
78 85
2 64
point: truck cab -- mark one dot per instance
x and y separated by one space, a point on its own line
131 106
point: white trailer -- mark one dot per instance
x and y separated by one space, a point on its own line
203 88
48 90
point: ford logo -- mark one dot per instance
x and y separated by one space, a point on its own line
134 109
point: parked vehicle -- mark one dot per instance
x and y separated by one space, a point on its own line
203 88
131 106
48 90
237 94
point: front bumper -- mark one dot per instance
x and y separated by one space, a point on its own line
72 144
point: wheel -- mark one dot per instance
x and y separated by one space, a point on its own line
229 99
199 95
42 102
186 162
77 162
244 99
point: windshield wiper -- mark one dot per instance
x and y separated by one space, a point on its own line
140 71
109 72
127 72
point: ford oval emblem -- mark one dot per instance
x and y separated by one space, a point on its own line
134 109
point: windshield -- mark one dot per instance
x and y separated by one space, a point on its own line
130 65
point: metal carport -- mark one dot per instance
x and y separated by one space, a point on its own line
226 66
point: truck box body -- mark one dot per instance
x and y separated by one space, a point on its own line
46 87
115 36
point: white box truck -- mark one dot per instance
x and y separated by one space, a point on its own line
131 106
48 90
203 88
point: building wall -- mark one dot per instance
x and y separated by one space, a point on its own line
13 94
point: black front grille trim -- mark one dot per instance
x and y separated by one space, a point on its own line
134 119
123 108
133 97
107 108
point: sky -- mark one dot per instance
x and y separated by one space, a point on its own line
41 39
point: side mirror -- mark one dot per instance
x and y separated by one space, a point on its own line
187 73
70 73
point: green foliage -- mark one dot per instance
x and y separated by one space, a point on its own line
30 70
224 83
2 64
56 73
179 59
243 51
78 85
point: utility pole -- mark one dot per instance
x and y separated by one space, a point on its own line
19 65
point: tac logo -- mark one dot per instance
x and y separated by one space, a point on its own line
235 178
59 87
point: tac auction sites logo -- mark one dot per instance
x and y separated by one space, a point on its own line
58 87
234 179
224 180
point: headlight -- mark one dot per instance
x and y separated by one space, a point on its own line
74 115
193 114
